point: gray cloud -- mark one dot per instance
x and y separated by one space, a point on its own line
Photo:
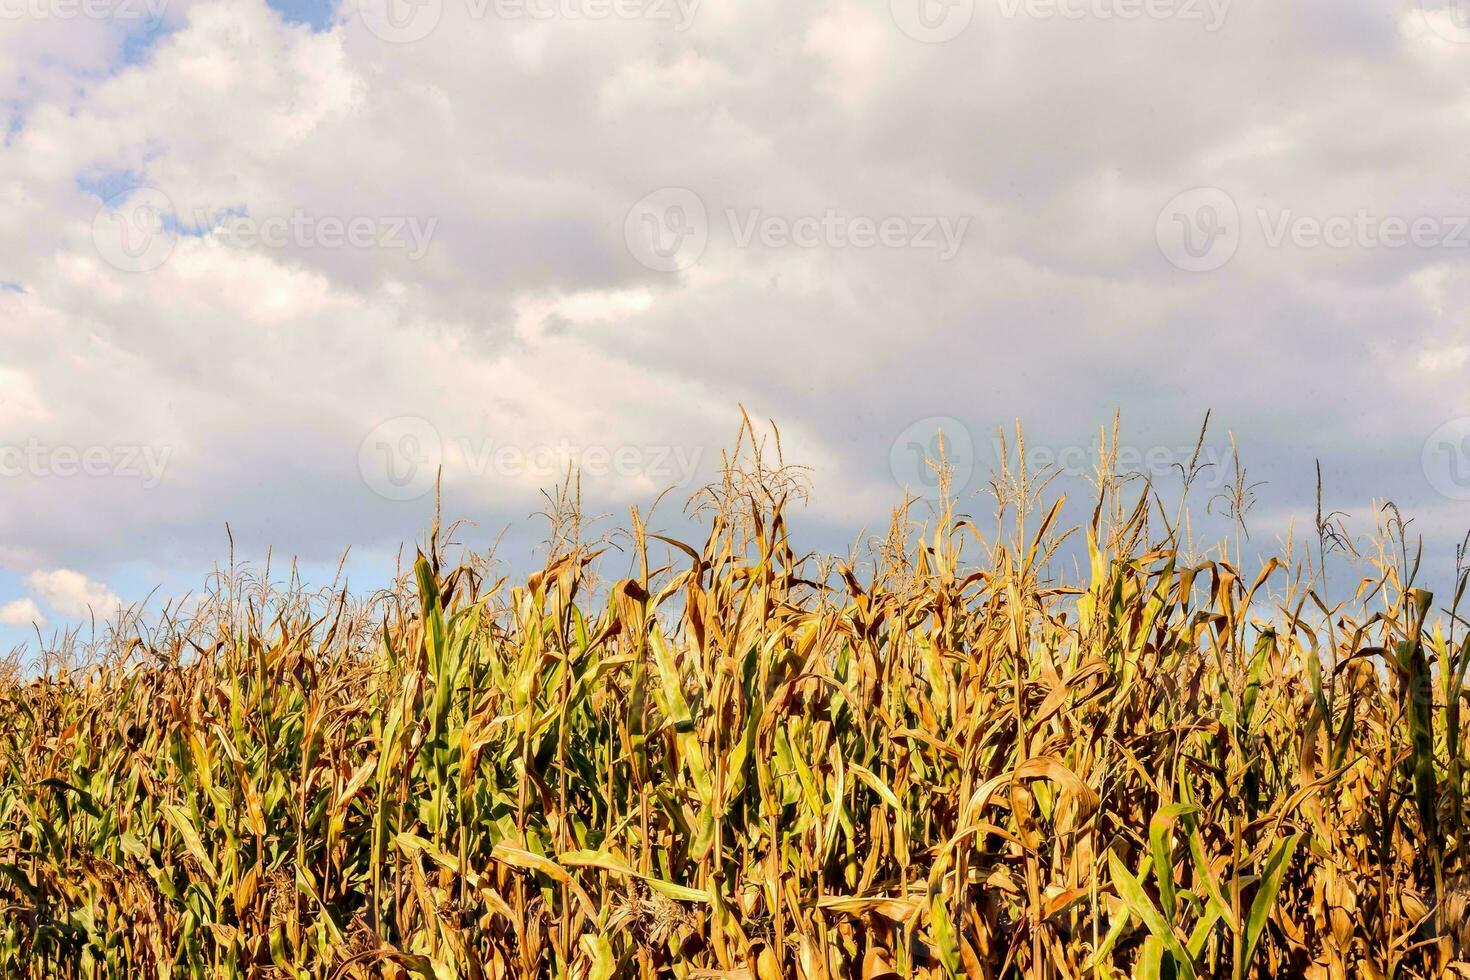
530 323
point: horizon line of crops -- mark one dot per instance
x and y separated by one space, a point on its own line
746 761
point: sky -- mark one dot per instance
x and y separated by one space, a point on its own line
277 265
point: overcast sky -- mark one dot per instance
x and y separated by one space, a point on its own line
272 264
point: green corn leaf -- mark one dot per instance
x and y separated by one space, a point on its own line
1137 900
1270 885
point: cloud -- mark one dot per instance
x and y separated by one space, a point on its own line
21 612
73 594
260 371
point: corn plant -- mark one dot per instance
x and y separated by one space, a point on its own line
957 758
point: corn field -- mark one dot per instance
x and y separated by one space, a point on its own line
959 753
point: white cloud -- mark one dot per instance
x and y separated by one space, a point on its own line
73 594
21 612
528 322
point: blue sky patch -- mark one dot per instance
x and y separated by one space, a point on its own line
109 184
138 43
319 15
